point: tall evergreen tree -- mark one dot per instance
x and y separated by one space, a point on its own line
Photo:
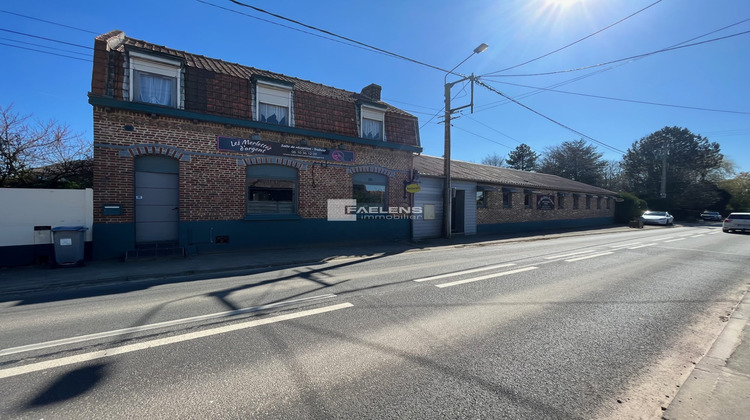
690 162
522 158
574 160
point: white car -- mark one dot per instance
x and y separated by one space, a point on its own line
651 217
737 222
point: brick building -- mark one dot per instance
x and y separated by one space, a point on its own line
490 199
197 154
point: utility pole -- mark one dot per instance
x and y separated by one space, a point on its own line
664 152
447 190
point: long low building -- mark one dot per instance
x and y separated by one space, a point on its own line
490 199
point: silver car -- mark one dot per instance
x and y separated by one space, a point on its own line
652 217
737 222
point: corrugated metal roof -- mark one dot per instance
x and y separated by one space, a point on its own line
238 70
433 166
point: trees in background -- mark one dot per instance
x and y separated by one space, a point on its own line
493 160
739 191
690 160
574 160
36 154
522 158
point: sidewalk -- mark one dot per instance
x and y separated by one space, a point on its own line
719 386
32 279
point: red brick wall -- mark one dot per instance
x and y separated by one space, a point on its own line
212 183
495 213
217 94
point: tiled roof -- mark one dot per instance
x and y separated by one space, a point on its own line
466 171
238 70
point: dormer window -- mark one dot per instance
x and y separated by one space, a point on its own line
273 103
155 80
372 124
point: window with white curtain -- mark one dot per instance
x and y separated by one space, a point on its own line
273 103
372 124
154 80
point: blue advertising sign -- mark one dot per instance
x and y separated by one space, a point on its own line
260 147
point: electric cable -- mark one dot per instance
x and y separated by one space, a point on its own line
619 60
582 39
44 52
296 22
623 100
50 22
490 88
47 39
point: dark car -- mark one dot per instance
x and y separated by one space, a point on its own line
711 216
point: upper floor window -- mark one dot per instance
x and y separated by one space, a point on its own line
155 80
274 103
372 124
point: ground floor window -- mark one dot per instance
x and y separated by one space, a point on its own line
527 199
370 190
507 198
576 199
481 199
560 201
271 189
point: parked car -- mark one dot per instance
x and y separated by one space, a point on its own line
652 217
711 215
737 222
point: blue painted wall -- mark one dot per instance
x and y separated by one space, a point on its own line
542 225
113 240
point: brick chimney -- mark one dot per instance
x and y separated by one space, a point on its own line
372 91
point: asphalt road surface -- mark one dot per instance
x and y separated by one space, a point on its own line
591 326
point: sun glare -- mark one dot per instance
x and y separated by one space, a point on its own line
562 3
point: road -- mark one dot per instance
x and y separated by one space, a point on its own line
590 326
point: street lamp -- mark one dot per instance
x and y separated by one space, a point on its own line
447 194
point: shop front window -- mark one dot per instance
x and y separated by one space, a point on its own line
271 189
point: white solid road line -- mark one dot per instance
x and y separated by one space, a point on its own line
489 276
625 245
589 256
675 240
85 357
459 273
643 246
124 331
569 255
698 236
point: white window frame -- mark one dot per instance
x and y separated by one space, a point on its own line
372 113
161 66
273 94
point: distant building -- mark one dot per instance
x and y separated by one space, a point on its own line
195 154
491 199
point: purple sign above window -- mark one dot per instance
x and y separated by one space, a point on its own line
260 147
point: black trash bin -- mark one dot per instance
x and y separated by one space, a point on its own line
69 245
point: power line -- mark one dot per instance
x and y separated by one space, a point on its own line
625 100
296 22
575 79
44 52
285 26
490 88
43 46
575 42
620 60
484 138
50 22
47 39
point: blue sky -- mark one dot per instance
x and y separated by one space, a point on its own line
713 75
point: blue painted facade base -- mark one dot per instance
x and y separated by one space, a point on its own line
543 225
19 255
114 240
